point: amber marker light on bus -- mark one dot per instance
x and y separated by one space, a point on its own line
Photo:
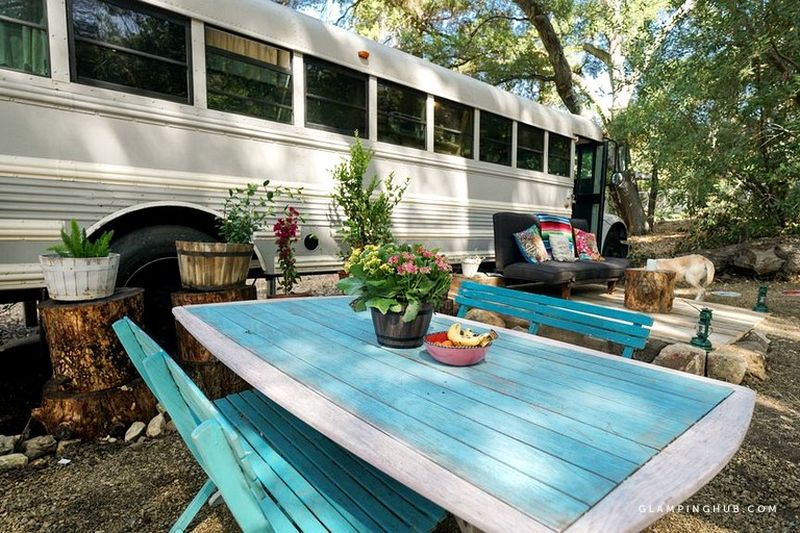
363 54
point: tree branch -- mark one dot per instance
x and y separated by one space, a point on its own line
599 53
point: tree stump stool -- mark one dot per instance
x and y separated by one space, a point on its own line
650 291
94 386
213 377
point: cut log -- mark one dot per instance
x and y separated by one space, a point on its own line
650 291
188 348
88 415
760 259
83 348
214 378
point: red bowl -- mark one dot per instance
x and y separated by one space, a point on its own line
456 355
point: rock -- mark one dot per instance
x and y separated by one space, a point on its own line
8 444
683 357
171 426
156 426
726 365
758 340
721 257
760 259
790 253
513 322
650 350
39 446
65 445
13 460
578 339
134 432
487 317
755 361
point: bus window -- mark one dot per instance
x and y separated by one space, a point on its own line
453 127
495 139
135 48
559 151
401 115
23 37
248 77
336 98
530 147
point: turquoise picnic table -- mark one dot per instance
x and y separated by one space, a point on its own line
541 436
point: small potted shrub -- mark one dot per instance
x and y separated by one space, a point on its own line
367 205
402 284
80 269
223 265
286 231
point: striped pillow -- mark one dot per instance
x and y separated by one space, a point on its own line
549 224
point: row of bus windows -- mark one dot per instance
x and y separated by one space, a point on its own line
126 45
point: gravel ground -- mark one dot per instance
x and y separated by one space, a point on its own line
113 487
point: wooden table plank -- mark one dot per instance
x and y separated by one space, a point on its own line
534 433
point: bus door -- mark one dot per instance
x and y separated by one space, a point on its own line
588 201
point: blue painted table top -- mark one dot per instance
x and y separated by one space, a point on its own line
546 428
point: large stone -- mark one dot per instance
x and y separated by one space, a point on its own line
156 426
487 317
790 253
760 259
65 445
135 431
13 460
755 340
8 444
39 446
650 350
755 361
683 357
726 365
570 337
513 322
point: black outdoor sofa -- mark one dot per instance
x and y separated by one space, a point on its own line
517 271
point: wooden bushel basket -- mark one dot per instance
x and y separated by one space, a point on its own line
211 266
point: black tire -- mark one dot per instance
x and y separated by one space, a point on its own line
148 259
613 246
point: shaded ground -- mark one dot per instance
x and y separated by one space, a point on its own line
117 487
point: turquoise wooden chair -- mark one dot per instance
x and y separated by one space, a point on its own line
626 328
274 472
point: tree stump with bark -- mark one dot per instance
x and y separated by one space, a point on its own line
94 386
213 377
650 291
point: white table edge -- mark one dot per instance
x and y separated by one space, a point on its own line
429 479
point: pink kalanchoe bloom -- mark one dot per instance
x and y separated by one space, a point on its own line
408 256
425 270
427 253
393 260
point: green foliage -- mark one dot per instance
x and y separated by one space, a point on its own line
367 210
718 113
76 244
397 278
247 208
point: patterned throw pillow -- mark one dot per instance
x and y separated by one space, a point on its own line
552 224
531 245
561 248
586 243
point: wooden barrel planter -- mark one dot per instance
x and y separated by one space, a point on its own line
210 266
213 377
94 386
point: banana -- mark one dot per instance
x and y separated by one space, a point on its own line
466 337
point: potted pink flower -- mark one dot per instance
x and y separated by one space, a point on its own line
286 234
402 284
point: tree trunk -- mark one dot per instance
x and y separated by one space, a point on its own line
651 291
651 203
628 204
83 348
89 415
539 16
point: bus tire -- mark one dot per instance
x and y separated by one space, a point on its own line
614 245
148 259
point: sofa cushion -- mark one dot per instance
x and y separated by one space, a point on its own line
586 244
506 224
560 248
555 272
555 224
531 245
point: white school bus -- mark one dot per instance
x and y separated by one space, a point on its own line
138 116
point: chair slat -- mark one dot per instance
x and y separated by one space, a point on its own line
626 328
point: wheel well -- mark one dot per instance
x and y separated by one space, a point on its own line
620 229
159 215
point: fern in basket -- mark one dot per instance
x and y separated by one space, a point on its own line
76 244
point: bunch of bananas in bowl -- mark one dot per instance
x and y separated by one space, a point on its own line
458 336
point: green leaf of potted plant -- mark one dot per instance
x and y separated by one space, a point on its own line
221 265
80 269
402 284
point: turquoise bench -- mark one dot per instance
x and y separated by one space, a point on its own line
626 328
274 472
